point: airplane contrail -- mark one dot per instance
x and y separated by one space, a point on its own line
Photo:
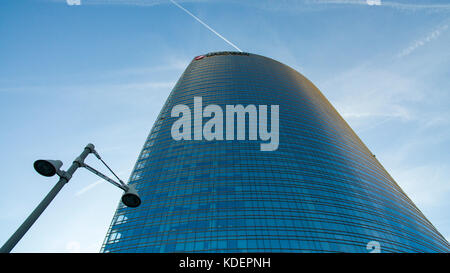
433 35
208 27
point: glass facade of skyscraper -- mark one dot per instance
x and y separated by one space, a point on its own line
322 190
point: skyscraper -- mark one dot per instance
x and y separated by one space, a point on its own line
315 187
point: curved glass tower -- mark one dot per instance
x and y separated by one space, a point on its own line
318 190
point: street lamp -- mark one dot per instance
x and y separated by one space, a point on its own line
131 198
49 168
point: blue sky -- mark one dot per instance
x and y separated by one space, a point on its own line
100 72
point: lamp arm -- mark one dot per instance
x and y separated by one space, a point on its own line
104 163
94 171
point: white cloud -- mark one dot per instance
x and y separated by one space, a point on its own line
342 2
77 247
73 2
414 7
436 121
144 85
277 5
426 185
172 65
366 96
395 5
73 246
134 2
374 2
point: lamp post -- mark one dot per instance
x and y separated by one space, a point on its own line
51 167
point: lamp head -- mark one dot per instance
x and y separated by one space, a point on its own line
131 198
47 167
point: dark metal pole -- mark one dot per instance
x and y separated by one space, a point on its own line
64 178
